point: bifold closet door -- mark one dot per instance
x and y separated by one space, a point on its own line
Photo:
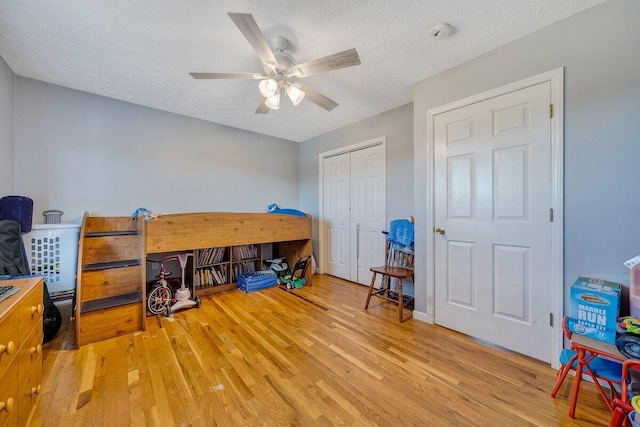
336 215
354 213
368 206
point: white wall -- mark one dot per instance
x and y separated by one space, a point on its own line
80 152
397 126
7 178
599 48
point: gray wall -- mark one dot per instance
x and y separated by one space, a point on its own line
397 126
600 51
80 152
7 179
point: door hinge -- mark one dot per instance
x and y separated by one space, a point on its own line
551 319
550 215
550 110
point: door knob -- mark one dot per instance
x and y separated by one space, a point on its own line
439 230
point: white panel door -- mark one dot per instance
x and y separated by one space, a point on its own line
336 215
368 205
492 197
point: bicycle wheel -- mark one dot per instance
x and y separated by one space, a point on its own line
158 299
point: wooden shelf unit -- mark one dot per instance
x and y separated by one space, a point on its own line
290 236
212 274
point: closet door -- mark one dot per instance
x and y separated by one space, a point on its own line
354 212
368 206
336 217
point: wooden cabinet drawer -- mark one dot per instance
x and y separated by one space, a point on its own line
21 368
28 392
30 353
9 343
9 396
30 311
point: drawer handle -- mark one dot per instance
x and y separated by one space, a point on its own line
38 309
37 349
35 390
9 348
7 406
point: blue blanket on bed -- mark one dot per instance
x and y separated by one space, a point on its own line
273 208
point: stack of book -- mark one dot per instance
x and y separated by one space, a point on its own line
210 276
244 251
211 256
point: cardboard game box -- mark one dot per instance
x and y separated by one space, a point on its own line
594 308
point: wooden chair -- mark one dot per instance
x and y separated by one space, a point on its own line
398 265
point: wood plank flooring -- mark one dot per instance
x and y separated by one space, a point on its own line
308 357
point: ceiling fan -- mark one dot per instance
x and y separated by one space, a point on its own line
281 69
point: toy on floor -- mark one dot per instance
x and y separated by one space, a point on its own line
161 300
160 296
182 298
278 266
296 279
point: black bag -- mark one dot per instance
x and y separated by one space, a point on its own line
51 317
13 259
13 262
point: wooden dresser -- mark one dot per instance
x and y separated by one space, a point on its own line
20 351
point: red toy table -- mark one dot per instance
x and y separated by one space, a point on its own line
587 349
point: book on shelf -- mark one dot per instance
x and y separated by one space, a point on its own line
210 256
216 275
210 276
222 274
244 252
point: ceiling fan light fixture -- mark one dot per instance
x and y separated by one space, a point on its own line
268 87
295 94
279 66
273 101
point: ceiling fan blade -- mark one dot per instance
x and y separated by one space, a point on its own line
317 98
249 28
347 58
262 107
251 76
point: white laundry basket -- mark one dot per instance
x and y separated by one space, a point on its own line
52 251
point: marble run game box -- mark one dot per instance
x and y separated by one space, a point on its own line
594 308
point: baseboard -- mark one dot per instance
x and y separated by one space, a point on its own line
423 317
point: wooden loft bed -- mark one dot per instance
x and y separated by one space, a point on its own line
111 281
188 231
289 234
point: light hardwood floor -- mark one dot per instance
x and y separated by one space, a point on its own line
309 357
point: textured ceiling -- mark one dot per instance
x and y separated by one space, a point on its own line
142 51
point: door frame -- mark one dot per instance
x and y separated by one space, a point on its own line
380 140
556 78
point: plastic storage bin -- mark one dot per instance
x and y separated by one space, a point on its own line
250 282
52 251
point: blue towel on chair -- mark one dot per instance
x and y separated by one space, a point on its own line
401 231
